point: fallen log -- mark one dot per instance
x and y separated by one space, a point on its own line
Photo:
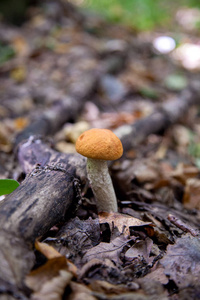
44 198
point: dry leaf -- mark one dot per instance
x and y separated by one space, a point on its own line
47 250
54 288
49 281
191 199
158 275
122 222
110 250
105 290
140 249
114 120
182 261
50 269
5 137
184 172
182 136
73 131
65 147
52 253
161 152
102 286
146 172
80 292
93 263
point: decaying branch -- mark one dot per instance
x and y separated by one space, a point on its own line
43 199
64 109
167 114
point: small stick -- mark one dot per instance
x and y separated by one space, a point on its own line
183 226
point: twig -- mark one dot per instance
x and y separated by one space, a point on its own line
182 225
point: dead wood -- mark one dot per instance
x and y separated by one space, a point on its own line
43 199
167 114
63 110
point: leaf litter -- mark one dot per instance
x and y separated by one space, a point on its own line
141 252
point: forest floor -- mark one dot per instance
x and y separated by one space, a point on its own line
151 248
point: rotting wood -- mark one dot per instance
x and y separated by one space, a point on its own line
42 200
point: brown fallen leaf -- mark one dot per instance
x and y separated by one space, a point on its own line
50 280
80 292
47 250
182 261
161 235
153 289
54 288
184 172
109 289
149 290
52 253
114 120
146 171
158 275
181 135
122 222
71 132
191 198
5 140
110 250
93 263
65 147
140 249
174 177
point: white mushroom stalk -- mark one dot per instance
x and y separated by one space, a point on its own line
101 185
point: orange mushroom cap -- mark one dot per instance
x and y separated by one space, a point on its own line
99 144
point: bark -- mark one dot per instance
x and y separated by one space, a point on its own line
45 198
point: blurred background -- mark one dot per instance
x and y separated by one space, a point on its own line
146 14
138 14
53 48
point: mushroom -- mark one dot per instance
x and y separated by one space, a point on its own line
100 145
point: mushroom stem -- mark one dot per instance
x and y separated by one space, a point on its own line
101 185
